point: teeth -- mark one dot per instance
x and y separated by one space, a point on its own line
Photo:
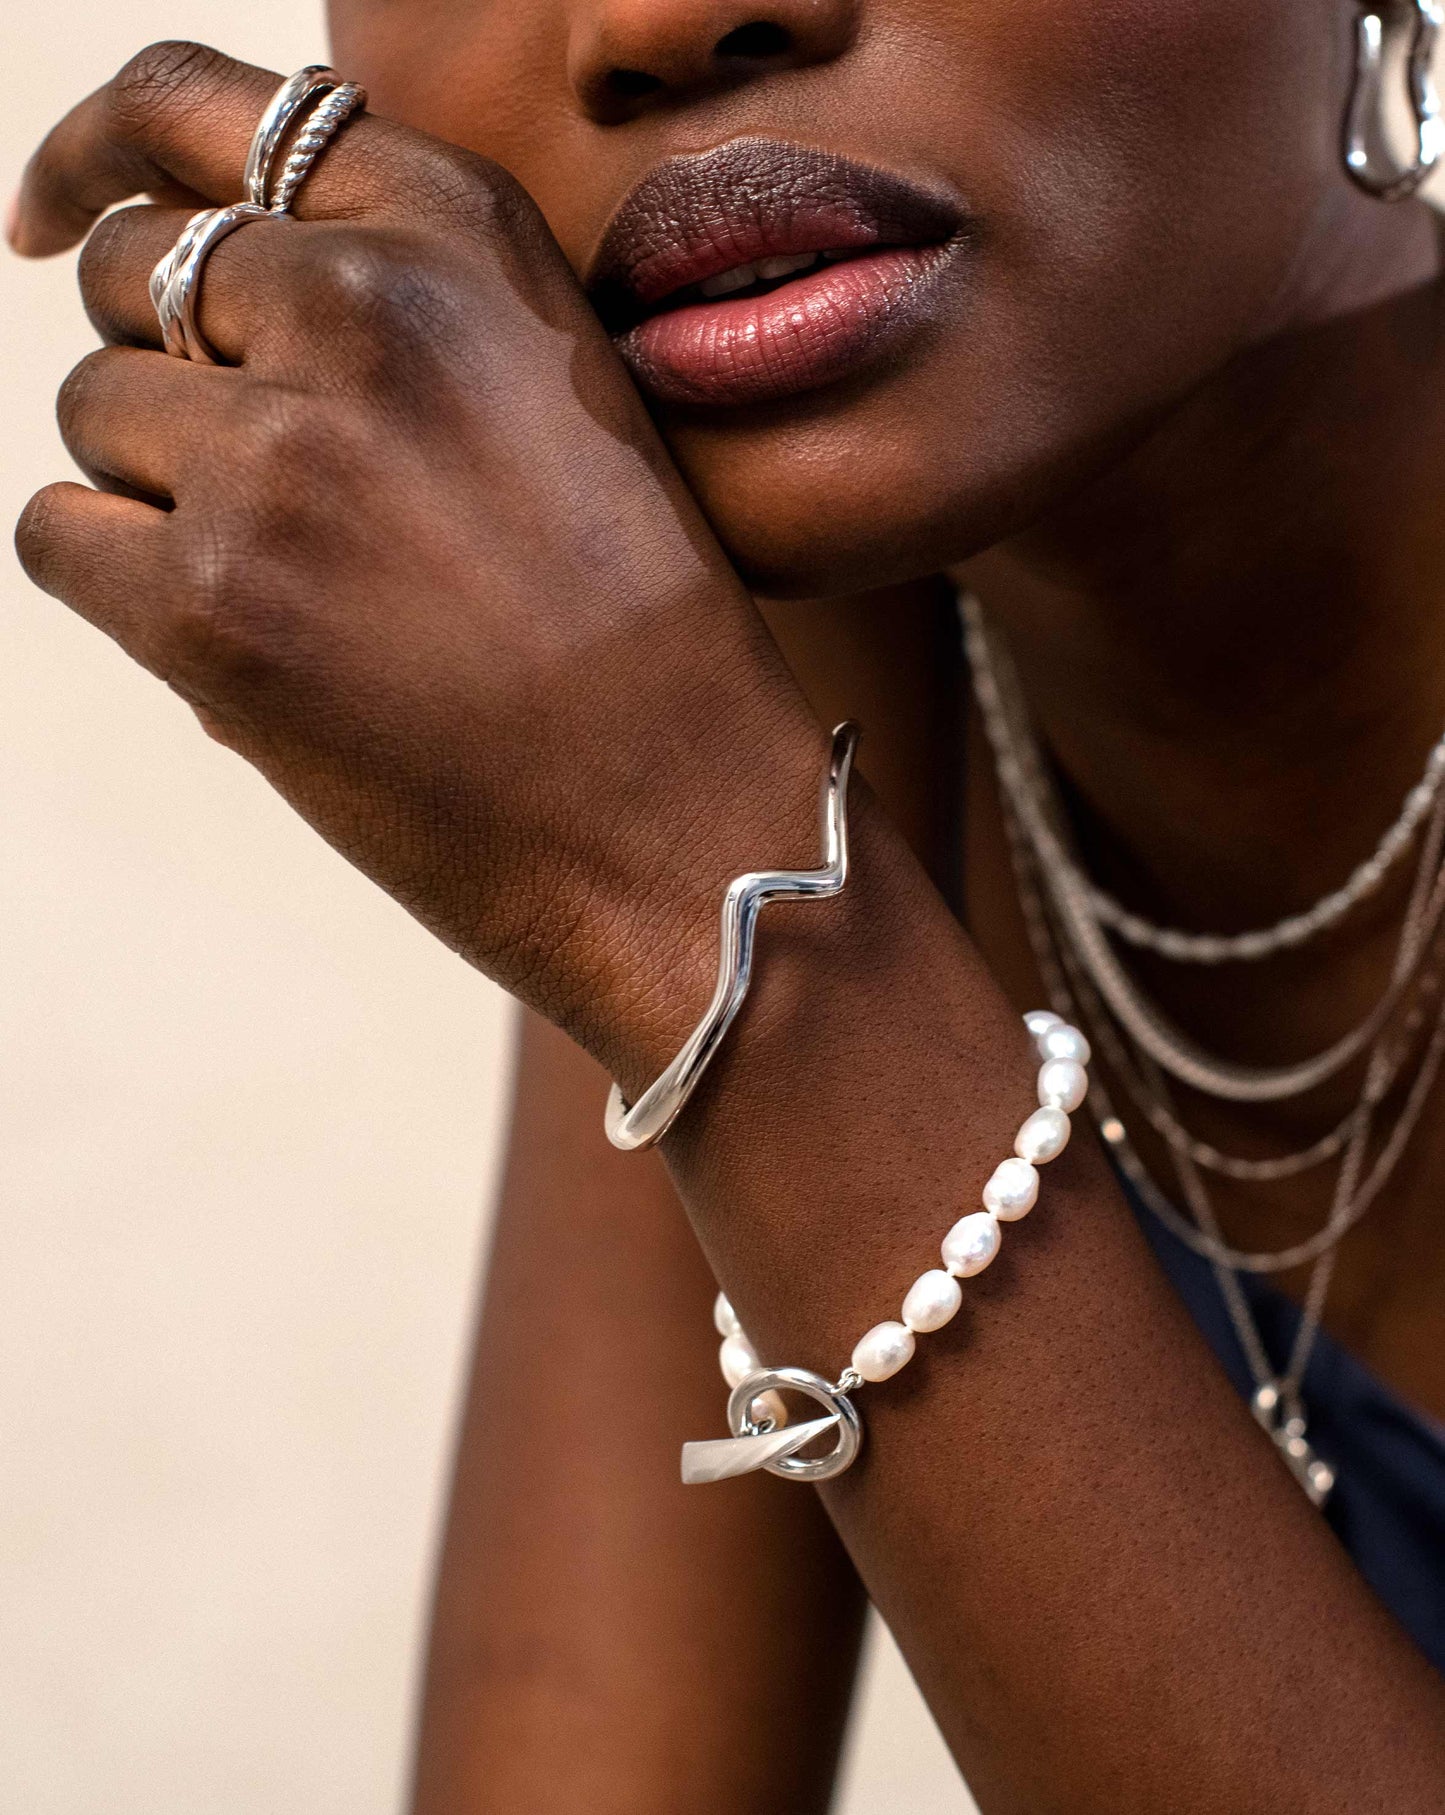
785 267
766 270
726 281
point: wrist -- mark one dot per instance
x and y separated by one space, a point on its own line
646 961
812 941
610 924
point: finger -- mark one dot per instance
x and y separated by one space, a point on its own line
103 556
119 256
173 114
139 420
181 114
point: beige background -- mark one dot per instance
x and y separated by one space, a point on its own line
248 1127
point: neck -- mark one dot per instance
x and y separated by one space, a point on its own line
1233 642
1234 647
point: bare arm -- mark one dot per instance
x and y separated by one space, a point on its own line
582 1588
591 1649
1112 1595
556 752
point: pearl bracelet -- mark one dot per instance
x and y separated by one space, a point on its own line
762 1435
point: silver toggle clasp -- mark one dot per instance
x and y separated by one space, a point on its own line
1314 1474
760 1443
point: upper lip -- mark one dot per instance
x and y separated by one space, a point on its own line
695 216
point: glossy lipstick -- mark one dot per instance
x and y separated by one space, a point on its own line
762 269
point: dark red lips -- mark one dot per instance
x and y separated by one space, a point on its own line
762 269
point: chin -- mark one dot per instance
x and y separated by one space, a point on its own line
843 493
994 424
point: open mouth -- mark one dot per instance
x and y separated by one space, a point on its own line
759 279
761 269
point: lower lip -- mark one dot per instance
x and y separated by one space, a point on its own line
807 333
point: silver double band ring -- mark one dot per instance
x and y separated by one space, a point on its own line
175 281
271 129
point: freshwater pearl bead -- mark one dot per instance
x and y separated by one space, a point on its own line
769 1407
724 1317
1063 1084
932 1299
1043 1136
971 1244
1065 1042
737 1358
886 1348
1012 1191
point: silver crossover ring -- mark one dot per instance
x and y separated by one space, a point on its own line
165 270
175 282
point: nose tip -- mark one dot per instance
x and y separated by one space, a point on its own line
629 55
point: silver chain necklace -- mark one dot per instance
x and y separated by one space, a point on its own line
1051 885
1025 784
1294 929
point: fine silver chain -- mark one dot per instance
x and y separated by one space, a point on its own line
1414 936
1023 781
1065 929
1144 1085
1277 1400
1294 929
1159 1113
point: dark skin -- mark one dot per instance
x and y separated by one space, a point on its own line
670 1686
1178 422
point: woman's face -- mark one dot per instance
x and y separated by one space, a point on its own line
1056 218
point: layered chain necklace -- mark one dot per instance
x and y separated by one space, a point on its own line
1075 929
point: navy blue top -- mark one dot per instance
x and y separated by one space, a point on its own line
1388 1506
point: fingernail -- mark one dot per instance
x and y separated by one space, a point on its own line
12 222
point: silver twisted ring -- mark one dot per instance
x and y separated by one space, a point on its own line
275 123
331 114
175 281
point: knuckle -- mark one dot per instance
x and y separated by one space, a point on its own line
105 301
152 79
357 273
377 285
44 539
451 180
102 244
108 255
247 566
455 188
292 441
229 631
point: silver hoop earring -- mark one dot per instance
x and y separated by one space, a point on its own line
1367 157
